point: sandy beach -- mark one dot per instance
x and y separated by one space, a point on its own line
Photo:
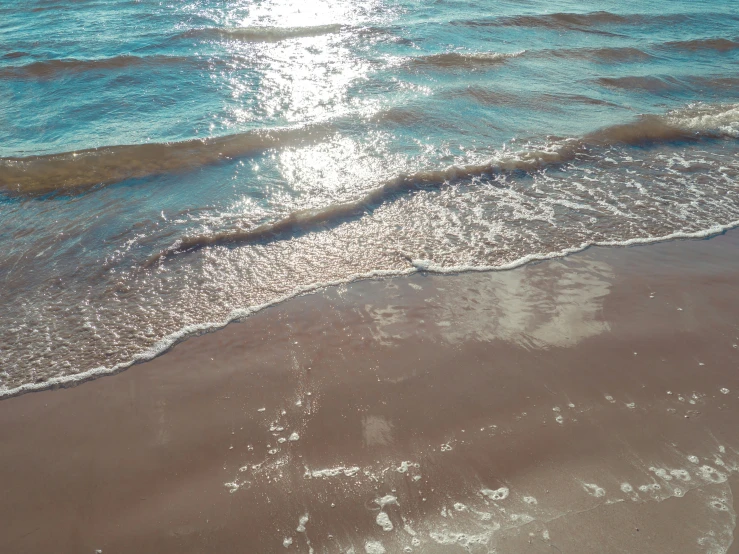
386 277
585 404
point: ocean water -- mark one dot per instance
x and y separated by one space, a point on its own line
169 166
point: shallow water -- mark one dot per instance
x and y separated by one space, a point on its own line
167 167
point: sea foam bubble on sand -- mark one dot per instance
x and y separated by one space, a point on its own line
383 520
497 494
374 547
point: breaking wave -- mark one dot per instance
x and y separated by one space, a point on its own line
51 68
688 124
75 171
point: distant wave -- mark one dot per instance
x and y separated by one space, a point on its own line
573 21
607 54
717 44
14 55
668 83
692 123
630 53
565 19
578 98
463 59
50 7
74 171
51 68
262 34
401 116
491 97
415 114
602 54
647 83
484 96
723 84
621 54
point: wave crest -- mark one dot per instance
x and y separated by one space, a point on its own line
51 68
74 171
669 83
262 34
717 44
451 60
603 54
565 19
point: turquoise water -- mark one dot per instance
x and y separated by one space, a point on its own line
169 166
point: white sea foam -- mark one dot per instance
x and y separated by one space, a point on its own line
661 473
702 118
331 472
711 474
374 547
594 490
497 494
386 501
301 523
383 520
405 466
680 474
166 343
431 267
465 540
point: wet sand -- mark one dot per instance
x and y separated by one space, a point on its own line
581 405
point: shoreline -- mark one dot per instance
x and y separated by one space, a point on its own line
577 404
165 344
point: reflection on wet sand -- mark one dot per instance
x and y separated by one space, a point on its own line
553 305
